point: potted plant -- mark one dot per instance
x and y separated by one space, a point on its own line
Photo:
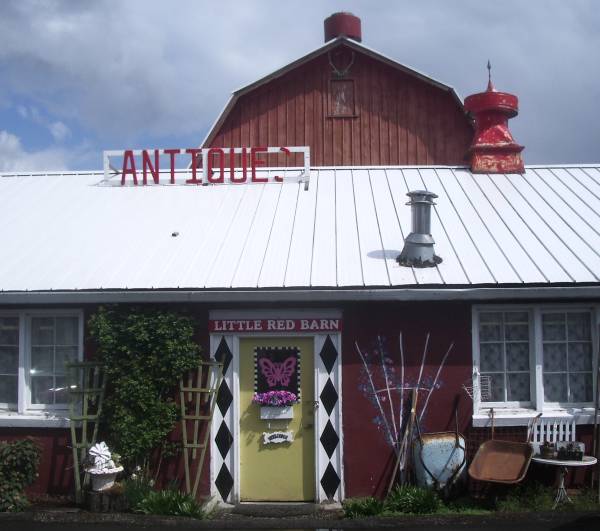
548 450
570 451
275 404
102 466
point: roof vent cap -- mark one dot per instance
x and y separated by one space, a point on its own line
342 25
418 248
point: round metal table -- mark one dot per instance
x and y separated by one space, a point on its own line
561 494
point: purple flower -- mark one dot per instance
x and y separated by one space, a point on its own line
275 398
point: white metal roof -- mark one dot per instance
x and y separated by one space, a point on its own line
68 231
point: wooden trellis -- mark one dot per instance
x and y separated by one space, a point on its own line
87 384
200 398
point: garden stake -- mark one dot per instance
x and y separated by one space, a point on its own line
437 375
387 386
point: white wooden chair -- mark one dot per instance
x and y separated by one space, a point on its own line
553 430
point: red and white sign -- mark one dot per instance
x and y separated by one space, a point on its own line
275 325
218 165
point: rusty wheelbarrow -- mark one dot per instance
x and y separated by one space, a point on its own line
439 458
499 461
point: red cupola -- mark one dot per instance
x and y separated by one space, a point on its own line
342 25
493 149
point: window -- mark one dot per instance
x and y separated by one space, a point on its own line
534 357
34 349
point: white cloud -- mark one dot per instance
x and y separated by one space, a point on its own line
59 131
14 157
129 71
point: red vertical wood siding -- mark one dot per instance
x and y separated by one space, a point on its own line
399 119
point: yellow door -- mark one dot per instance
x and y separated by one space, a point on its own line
277 471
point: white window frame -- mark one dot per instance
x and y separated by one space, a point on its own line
515 414
24 413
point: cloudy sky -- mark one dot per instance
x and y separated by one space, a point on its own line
79 77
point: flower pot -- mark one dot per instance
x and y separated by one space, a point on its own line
276 412
103 479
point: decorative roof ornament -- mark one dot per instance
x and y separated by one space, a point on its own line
493 149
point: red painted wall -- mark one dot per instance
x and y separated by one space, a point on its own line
399 119
368 457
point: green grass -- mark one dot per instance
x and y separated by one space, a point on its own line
416 500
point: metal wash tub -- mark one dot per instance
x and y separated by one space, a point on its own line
501 461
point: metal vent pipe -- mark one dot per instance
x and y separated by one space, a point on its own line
418 248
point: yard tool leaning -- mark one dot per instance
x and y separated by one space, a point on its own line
502 461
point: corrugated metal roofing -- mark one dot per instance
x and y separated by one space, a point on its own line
69 231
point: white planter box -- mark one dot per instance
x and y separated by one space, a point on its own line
105 479
276 412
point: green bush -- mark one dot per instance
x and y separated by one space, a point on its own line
170 502
136 489
357 507
18 468
412 500
145 351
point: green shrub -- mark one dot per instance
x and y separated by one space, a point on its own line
357 507
170 502
145 351
412 500
18 468
136 489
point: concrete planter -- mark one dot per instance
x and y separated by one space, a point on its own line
103 479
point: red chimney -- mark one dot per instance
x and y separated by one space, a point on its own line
493 149
342 24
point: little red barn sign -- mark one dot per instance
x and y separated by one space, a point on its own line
275 325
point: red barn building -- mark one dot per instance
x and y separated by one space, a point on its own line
483 293
352 105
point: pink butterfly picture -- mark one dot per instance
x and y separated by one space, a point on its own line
277 373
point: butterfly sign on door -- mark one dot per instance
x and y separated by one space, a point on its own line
277 369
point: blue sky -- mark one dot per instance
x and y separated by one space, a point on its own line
80 77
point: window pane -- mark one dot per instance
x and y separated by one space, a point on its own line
9 360
63 356
42 390
517 357
497 387
42 331
491 357
519 332
490 317
67 331
42 360
555 387
8 389
9 331
517 317
580 357
553 327
490 332
581 387
579 326
518 387
61 391
555 357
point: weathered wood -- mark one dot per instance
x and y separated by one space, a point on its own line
399 118
109 501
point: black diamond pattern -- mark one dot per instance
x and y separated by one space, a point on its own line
224 440
330 481
224 397
329 439
224 482
329 396
224 354
328 354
